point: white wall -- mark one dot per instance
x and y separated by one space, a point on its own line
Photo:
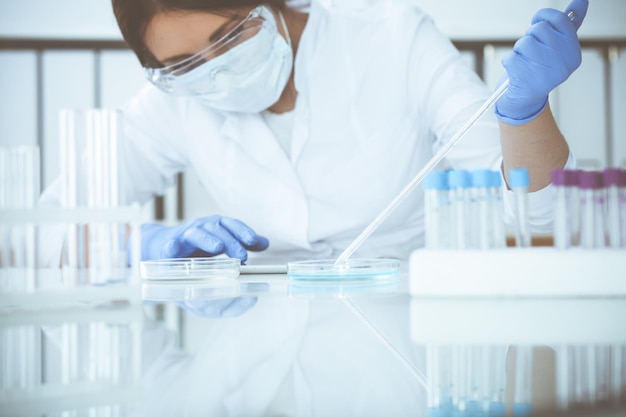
485 19
460 19
67 19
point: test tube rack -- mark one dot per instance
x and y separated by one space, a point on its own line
83 335
518 272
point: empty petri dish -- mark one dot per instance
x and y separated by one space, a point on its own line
190 269
352 270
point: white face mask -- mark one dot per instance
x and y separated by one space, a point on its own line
233 84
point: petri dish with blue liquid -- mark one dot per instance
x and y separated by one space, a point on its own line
357 270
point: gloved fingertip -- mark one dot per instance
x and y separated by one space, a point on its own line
236 252
261 243
579 9
170 249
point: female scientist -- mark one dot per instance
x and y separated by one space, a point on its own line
303 123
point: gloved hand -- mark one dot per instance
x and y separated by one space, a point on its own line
226 307
542 59
206 236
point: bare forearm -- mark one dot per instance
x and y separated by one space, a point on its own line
537 145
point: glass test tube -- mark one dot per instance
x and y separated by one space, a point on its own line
20 346
592 229
497 406
89 151
432 373
566 217
498 238
522 401
480 186
436 210
460 183
615 184
487 222
518 181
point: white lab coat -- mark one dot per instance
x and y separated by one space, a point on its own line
379 89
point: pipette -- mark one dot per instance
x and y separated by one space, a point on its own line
430 165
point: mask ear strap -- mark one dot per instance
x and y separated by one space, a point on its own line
282 20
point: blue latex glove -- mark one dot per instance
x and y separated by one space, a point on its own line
206 236
226 307
542 59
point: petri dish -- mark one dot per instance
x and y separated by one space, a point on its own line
357 270
190 269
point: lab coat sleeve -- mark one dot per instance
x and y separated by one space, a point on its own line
446 93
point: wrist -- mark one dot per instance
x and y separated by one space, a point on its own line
518 115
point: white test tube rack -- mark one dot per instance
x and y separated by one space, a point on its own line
518 272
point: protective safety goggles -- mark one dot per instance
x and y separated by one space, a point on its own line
178 78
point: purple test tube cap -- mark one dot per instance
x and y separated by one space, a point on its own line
565 177
614 177
591 180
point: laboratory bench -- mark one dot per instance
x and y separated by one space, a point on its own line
270 345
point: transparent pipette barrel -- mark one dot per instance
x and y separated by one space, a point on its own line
430 165
592 233
615 184
518 181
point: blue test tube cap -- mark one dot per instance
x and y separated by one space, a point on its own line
436 180
481 178
497 409
495 179
522 410
459 179
519 177
436 412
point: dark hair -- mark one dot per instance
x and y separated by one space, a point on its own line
133 17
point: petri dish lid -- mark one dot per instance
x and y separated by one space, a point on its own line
190 269
353 270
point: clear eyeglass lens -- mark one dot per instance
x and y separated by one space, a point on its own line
237 35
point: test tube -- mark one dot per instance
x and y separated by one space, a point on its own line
497 377
615 183
481 182
518 181
498 237
522 401
592 233
567 201
436 210
460 183
432 373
